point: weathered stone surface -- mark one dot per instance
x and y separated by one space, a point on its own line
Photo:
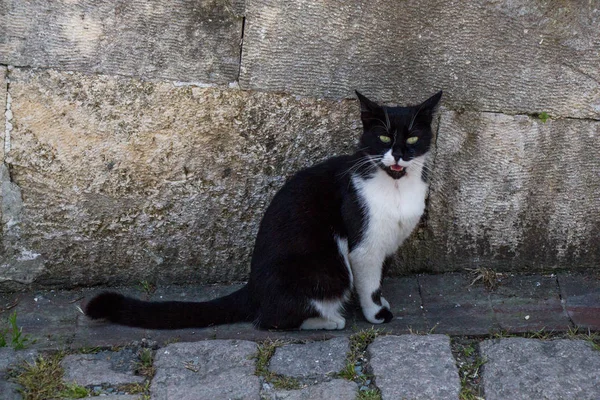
453 306
106 367
206 371
529 303
405 302
414 367
9 390
187 41
139 180
510 56
513 193
10 358
315 359
519 368
581 296
3 116
338 389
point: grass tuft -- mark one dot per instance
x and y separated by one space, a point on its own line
488 277
265 351
371 394
145 365
42 379
18 341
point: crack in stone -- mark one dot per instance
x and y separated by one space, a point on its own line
422 303
563 303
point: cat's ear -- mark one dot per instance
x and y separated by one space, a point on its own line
430 105
368 108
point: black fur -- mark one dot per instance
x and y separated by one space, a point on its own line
296 258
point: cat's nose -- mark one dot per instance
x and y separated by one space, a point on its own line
397 155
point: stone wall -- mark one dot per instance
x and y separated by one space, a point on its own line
143 140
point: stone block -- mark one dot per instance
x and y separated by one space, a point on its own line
454 306
3 109
190 41
581 296
507 56
150 181
414 367
310 360
521 369
529 303
110 368
338 389
512 193
206 371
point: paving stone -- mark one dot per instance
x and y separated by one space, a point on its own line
454 306
529 303
414 367
121 397
216 369
405 302
523 369
47 316
9 390
10 357
338 389
581 296
106 367
315 359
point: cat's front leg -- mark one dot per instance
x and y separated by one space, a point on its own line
367 281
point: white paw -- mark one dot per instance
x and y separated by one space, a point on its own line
323 323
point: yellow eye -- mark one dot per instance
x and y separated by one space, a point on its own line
412 140
385 139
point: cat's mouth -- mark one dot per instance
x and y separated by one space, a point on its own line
395 171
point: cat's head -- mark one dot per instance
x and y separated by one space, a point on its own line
395 138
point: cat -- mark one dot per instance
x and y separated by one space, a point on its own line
326 233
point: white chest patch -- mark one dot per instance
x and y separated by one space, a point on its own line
393 206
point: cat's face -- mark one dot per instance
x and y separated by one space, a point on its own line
395 138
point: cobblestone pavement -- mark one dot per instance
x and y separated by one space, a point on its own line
532 337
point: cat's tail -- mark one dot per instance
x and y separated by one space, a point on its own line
123 310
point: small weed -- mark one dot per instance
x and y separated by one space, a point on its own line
265 351
370 394
501 334
73 391
135 388
469 350
89 350
145 365
469 365
542 334
488 277
357 364
147 287
42 379
543 116
592 337
18 341
418 332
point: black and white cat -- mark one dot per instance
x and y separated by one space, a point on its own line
327 231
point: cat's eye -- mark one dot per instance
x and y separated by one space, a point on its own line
385 139
412 140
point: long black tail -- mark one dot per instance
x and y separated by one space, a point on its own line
171 314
